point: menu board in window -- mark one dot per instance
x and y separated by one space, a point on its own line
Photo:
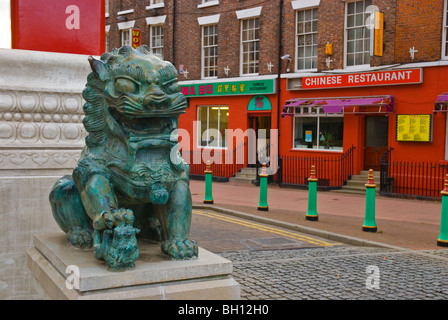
414 127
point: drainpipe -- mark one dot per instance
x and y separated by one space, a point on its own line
279 71
173 47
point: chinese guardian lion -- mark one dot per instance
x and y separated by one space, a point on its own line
130 178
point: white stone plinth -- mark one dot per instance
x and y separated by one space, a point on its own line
154 276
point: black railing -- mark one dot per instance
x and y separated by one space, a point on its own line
386 181
420 180
332 170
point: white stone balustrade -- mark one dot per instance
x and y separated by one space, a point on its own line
41 138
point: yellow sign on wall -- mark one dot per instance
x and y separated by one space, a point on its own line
378 34
414 127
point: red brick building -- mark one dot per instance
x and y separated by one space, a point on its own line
344 83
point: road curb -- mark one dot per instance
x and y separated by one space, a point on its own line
307 230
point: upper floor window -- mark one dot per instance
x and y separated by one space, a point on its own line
126 37
208 3
250 46
154 4
156 39
357 34
445 31
106 3
209 51
306 37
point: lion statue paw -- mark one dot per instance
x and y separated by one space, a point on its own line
180 249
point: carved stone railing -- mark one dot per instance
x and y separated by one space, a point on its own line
41 138
41 130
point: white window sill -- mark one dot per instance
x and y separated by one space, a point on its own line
208 4
249 75
209 78
305 70
318 150
359 68
212 148
125 12
107 15
155 6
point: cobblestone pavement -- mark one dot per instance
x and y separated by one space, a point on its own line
305 271
339 273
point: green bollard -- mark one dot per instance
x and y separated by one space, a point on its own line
442 241
369 221
263 203
311 214
208 184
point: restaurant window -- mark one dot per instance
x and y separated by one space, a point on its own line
357 34
314 129
306 37
213 124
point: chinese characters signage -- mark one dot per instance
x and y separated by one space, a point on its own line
259 103
380 78
229 88
414 127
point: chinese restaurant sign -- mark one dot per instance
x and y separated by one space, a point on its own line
414 127
230 88
68 26
380 78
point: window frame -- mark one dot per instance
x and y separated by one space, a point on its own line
153 4
242 52
208 3
152 28
199 135
369 32
129 32
444 54
296 58
203 48
106 8
319 114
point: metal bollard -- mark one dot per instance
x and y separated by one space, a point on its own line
369 221
442 241
263 203
311 214
208 184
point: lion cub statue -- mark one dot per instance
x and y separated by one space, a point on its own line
130 178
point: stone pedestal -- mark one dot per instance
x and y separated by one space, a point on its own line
63 272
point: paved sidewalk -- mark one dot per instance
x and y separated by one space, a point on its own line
411 224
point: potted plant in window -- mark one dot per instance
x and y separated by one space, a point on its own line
327 139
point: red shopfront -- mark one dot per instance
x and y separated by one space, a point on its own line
362 116
217 123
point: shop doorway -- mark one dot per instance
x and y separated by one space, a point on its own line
262 127
376 141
